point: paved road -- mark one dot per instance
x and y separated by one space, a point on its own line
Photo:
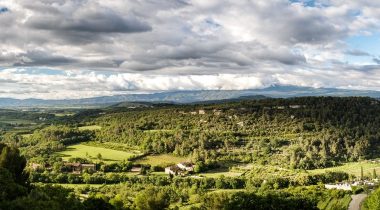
356 201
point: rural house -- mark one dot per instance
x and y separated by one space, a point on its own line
174 170
186 166
78 168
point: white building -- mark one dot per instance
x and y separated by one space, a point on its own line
187 166
344 186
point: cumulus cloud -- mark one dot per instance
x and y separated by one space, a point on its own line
181 44
52 84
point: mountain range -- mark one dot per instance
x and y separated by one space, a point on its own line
188 96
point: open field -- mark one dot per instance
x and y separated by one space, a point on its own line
354 168
79 186
90 127
64 114
228 170
220 172
113 146
164 159
15 121
85 151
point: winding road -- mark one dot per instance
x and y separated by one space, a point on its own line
356 201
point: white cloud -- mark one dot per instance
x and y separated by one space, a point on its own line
181 44
25 83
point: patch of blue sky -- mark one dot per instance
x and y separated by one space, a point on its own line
50 71
40 71
306 3
3 10
365 43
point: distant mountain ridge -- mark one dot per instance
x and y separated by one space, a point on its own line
192 96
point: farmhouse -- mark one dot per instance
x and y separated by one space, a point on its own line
72 167
342 186
241 124
89 167
37 166
295 106
174 170
217 112
78 168
180 168
136 169
186 166
201 111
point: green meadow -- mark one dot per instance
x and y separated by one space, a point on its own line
85 151
90 127
164 159
354 168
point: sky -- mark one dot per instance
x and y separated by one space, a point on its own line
60 49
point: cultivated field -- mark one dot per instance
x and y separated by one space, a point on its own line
85 151
90 127
218 173
164 159
354 168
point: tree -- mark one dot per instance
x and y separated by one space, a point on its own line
11 160
361 173
373 201
97 204
374 174
99 156
152 199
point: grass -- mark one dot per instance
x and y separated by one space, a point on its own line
15 121
353 168
217 174
229 170
335 203
90 127
159 130
79 186
26 135
164 159
64 114
114 146
85 151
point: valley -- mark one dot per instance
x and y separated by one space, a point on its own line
201 156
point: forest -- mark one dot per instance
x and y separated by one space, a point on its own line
247 154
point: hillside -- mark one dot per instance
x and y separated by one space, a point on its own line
181 97
269 148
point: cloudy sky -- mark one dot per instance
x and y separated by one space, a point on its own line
84 48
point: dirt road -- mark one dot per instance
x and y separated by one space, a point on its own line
356 201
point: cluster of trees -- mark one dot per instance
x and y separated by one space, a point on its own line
46 141
249 181
16 193
150 196
262 201
373 200
310 132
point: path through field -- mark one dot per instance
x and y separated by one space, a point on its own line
356 201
